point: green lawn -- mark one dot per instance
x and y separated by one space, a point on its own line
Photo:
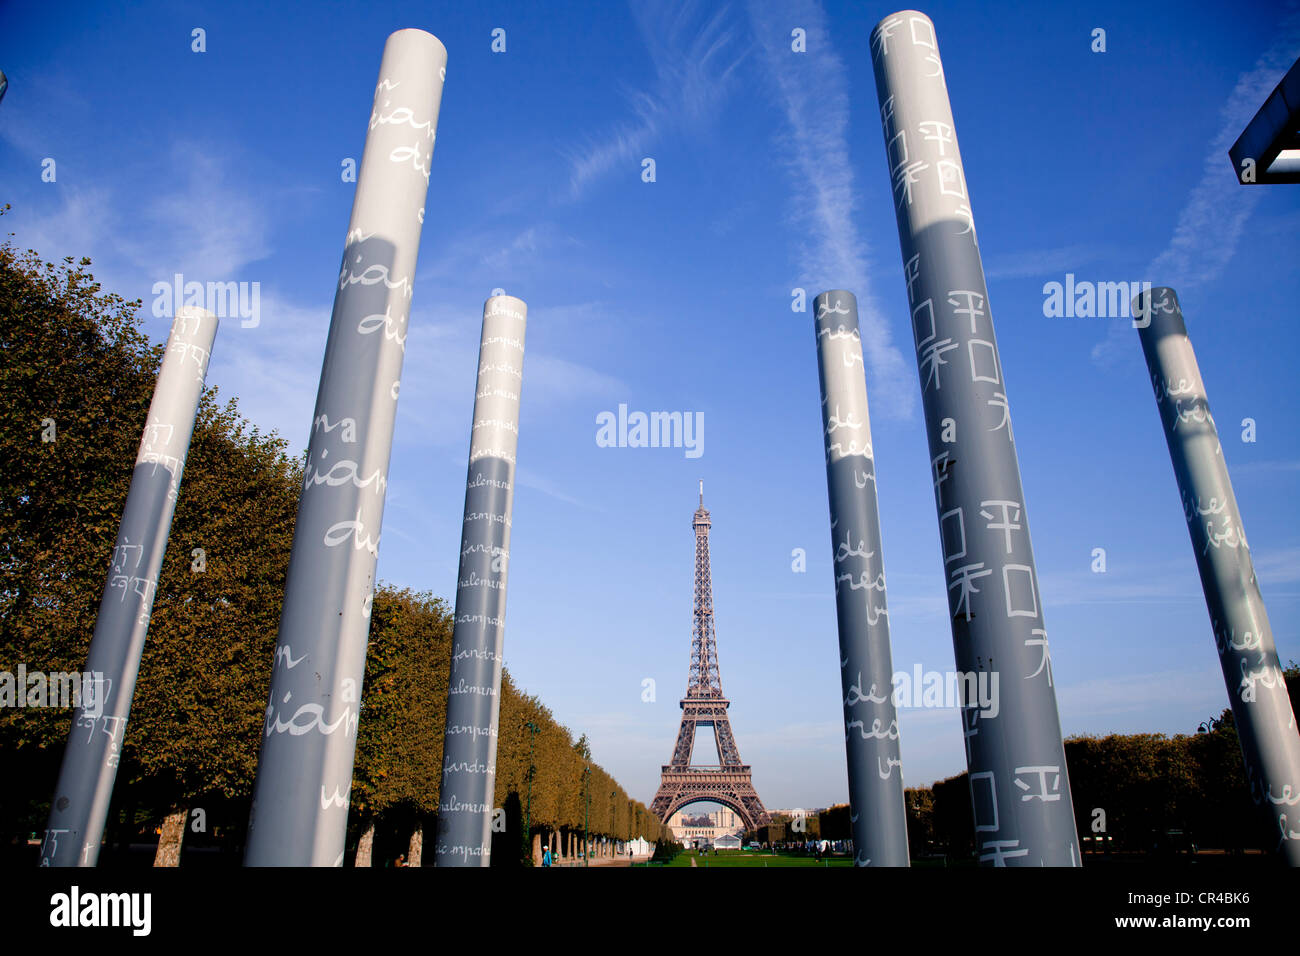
754 858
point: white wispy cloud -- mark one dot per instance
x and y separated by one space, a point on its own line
484 259
1141 693
210 229
524 243
438 377
274 368
577 315
694 60
1277 567
30 102
561 380
204 226
812 90
1040 262
529 479
1170 581
1211 222
207 226
1264 468
79 225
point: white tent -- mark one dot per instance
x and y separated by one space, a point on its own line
727 842
639 847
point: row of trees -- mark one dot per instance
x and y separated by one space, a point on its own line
542 774
829 824
1130 791
76 378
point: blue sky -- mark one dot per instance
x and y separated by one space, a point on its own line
676 296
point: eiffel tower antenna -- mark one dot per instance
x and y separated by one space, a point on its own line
728 782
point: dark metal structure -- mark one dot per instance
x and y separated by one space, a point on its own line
1268 150
704 705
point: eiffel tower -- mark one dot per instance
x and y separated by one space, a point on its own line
728 782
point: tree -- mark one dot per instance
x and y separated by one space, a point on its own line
76 379
76 358
920 819
200 701
403 712
76 376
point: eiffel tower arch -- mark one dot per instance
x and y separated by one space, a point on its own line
728 782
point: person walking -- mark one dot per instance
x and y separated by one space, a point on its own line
546 856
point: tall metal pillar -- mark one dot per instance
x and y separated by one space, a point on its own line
1020 789
876 808
90 760
304 772
1261 708
469 756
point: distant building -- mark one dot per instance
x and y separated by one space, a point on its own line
705 829
798 813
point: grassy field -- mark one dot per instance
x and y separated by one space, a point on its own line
754 858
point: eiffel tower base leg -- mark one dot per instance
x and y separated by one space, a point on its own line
730 787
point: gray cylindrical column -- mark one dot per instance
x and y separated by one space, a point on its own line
876 809
304 772
1020 789
1261 708
469 755
90 760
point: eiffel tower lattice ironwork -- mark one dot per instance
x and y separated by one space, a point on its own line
729 782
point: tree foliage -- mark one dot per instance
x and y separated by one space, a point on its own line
1143 784
74 356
